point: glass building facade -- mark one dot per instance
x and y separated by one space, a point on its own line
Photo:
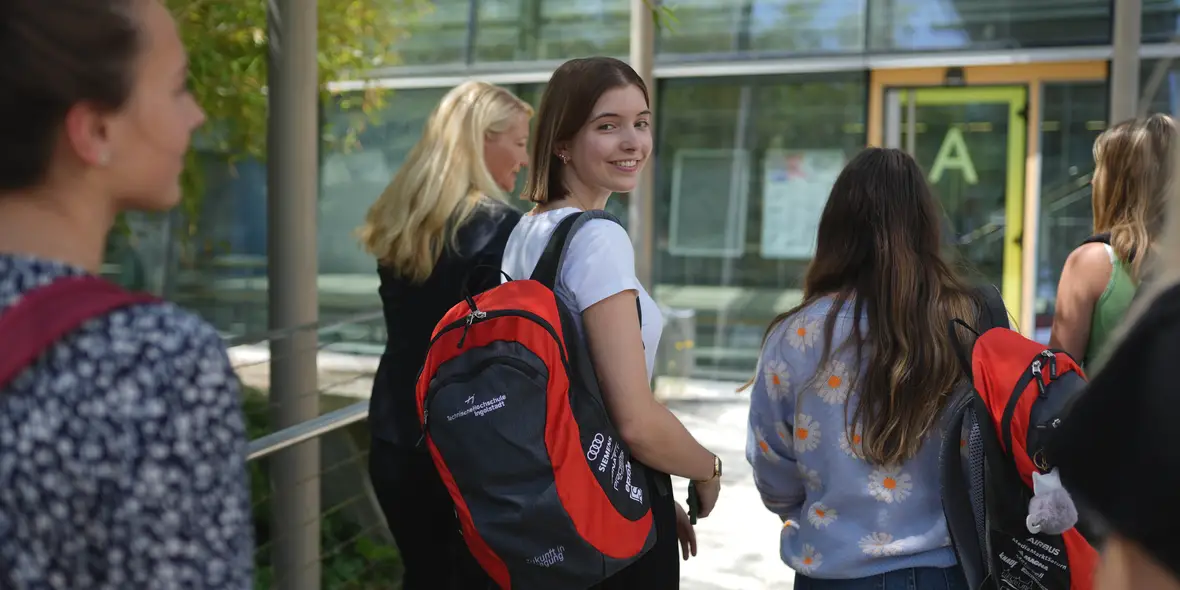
758 105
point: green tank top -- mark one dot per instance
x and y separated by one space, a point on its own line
1111 307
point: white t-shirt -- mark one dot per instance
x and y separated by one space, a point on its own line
600 262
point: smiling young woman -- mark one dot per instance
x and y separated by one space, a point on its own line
593 139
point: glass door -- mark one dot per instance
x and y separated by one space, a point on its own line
971 143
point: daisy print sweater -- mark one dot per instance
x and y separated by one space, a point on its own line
843 517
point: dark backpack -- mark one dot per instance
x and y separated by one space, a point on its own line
47 314
546 494
998 427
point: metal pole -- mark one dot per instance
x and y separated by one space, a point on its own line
911 123
639 206
292 182
893 118
1124 65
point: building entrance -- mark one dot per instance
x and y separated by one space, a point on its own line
971 143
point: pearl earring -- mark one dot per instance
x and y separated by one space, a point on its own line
104 158
564 159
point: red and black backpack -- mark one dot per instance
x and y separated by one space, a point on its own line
999 425
546 494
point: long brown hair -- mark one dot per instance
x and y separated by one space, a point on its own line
878 250
566 106
1132 183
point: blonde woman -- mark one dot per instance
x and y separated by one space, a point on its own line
1117 449
439 228
1131 176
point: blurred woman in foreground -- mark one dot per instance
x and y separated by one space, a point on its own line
122 445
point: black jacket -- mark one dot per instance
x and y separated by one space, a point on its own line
413 310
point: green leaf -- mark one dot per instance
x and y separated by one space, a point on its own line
663 15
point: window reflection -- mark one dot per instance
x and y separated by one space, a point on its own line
220 268
716 231
437 34
807 26
526 30
507 30
764 26
1161 20
705 26
1074 114
923 25
438 31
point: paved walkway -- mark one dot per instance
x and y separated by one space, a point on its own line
737 546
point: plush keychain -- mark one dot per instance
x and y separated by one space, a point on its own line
1051 511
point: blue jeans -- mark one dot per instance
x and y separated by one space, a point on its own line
919 578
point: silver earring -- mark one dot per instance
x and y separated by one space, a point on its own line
564 159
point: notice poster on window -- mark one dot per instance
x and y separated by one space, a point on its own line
795 187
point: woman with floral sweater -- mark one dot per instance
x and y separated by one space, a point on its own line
850 386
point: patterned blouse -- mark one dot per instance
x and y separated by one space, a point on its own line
843 517
122 454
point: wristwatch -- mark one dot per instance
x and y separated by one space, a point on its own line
716 470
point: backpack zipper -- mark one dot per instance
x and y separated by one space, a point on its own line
472 317
1037 377
1034 371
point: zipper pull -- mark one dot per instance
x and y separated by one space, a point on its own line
425 421
1036 371
471 317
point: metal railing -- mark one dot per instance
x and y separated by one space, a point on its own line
339 541
293 435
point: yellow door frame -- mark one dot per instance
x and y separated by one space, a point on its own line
1016 97
1031 76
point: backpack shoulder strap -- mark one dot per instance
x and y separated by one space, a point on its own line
955 478
1102 238
552 260
45 315
994 313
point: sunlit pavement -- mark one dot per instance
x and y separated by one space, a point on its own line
738 542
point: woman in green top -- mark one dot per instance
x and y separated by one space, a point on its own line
1131 184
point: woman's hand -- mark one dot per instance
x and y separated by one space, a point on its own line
686 533
707 492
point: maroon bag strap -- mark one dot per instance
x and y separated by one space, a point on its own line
47 314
